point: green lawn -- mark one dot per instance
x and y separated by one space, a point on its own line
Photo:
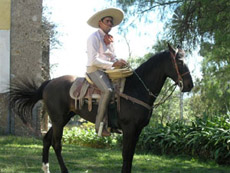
20 154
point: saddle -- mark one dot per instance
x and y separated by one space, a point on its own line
84 90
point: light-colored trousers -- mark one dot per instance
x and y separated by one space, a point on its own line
102 81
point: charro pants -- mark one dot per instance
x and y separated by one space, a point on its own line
102 81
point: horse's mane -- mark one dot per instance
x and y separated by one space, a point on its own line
152 66
153 62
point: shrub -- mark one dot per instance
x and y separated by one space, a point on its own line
85 135
208 138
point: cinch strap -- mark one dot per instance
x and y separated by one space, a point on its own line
135 100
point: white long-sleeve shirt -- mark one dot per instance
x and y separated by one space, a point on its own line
100 55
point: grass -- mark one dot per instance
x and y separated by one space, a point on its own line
21 154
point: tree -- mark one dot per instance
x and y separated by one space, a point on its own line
202 23
193 21
49 41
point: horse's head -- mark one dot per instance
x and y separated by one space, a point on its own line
179 71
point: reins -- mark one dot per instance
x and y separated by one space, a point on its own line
146 88
163 100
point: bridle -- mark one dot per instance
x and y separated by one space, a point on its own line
179 80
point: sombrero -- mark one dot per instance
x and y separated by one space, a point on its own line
116 13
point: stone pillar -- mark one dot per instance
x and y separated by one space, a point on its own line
26 46
26 38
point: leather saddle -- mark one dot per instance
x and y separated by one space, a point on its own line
83 90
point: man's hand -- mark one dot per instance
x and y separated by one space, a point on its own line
120 63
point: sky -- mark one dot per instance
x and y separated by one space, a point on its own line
71 17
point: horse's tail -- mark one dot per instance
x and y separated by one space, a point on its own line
23 96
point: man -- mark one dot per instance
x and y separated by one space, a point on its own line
101 56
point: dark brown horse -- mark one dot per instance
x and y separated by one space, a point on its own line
145 84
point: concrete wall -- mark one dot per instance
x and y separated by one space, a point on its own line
25 55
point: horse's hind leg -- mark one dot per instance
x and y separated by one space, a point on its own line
47 141
57 145
53 137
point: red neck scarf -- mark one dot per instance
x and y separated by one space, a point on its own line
108 39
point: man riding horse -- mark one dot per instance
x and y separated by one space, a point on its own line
136 101
101 57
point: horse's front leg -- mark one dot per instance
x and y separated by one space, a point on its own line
130 138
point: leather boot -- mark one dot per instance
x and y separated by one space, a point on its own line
105 133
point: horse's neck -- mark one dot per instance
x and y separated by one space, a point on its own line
153 77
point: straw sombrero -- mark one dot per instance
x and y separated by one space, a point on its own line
116 13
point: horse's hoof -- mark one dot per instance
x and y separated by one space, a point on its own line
45 167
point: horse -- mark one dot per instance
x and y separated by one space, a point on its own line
143 85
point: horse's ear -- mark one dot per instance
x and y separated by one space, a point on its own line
171 49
